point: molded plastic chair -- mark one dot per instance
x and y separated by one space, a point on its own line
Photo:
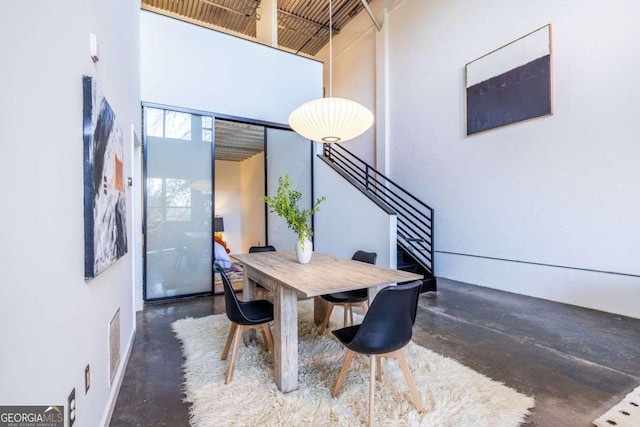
348 299
385 329
254 249
268 248
244 315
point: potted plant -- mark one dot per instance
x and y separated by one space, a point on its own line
285 204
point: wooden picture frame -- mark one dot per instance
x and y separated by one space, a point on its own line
510 84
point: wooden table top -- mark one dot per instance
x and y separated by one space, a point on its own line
324 274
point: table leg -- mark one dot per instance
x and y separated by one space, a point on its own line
319 310
373 291
286 338
248 289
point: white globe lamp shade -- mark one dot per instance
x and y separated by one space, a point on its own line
331 119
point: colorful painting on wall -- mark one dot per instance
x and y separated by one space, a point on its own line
105 231
510 84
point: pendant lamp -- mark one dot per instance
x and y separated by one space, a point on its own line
331 119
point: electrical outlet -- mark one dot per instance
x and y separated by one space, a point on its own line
71 409
87 379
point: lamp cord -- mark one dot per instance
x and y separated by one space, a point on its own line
330 51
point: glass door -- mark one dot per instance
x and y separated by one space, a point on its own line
178 203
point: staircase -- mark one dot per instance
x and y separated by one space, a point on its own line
414 217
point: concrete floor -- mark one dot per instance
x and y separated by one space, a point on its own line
576 362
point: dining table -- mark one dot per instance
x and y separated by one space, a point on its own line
289 280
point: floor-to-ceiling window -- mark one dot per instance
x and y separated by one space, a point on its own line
179 200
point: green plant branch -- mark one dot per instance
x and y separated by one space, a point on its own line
285 204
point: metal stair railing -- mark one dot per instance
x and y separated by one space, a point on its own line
415 218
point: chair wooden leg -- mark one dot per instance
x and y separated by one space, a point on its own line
372 387
239 330
351 312
268 338
327 316
364 307
346 310
343 373
379 367
407 376
232 332
264 337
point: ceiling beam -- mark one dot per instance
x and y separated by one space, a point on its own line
307 21
252 8
371 15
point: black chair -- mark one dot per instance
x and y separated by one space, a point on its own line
268 248
385 329
254 249
348 299
244 315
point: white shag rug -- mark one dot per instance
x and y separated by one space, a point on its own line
452 394
624 414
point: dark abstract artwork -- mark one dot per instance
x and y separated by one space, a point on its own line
510 84
105 231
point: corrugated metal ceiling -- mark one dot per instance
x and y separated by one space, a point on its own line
303 25
236 141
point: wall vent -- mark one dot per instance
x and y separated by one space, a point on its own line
114 345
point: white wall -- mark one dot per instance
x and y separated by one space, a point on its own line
228 202
349 221
252 189
52 322
560 190
136 195
193 67
287 153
